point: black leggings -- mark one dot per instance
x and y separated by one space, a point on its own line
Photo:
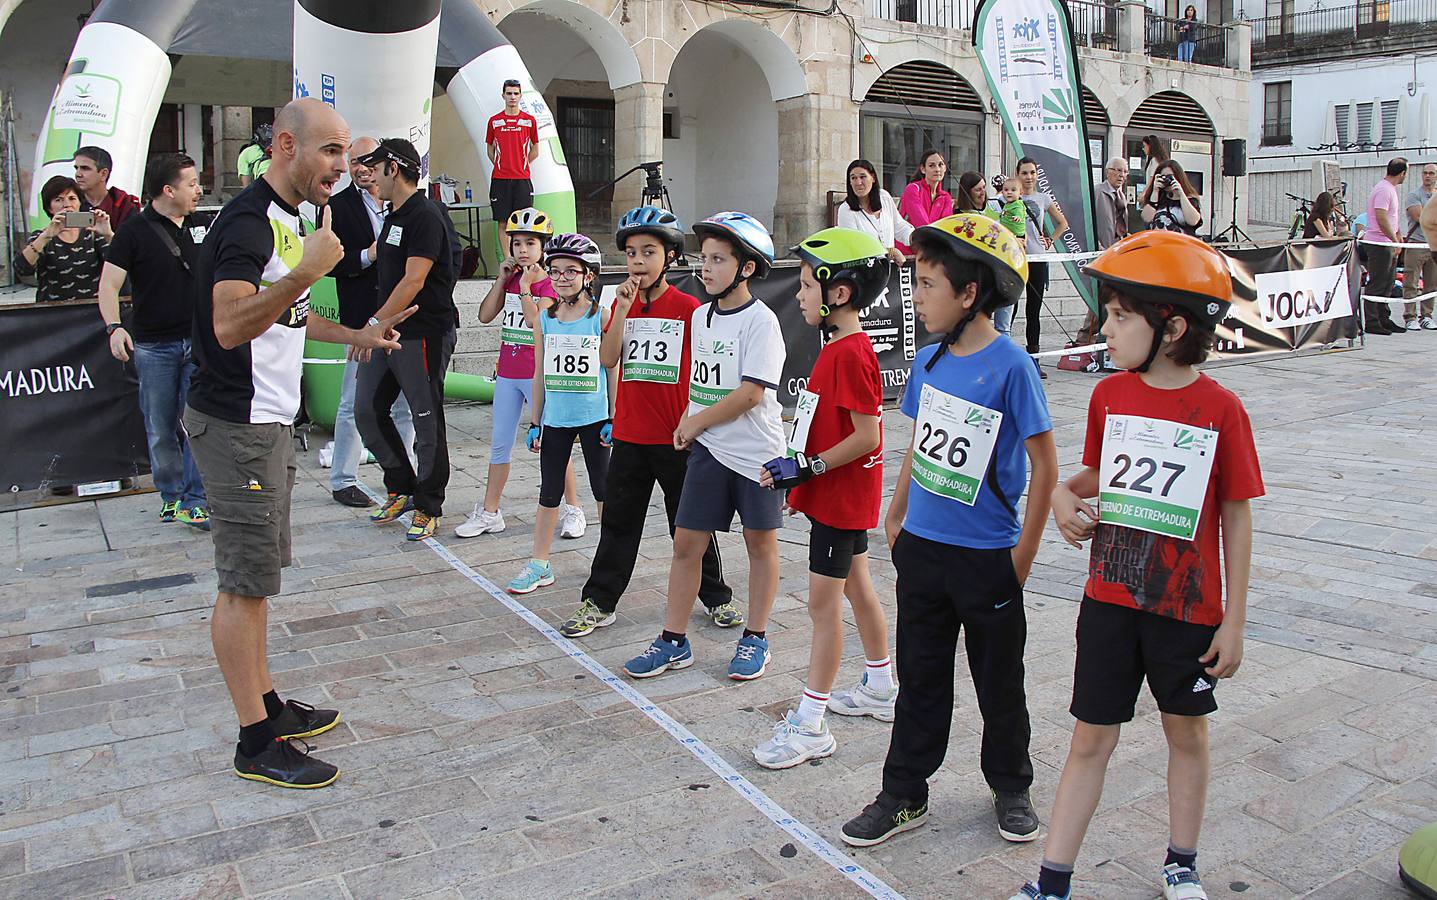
556 445
1037 286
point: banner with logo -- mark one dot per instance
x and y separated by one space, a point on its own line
1031 66
71 410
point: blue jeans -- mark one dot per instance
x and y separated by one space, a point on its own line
348 448
1185 51
1003 318
165 370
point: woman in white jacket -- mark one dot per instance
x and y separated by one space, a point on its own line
870 209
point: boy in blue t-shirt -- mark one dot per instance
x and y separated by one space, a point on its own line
953 527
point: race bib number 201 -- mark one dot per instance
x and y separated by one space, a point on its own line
714 374
953 442
1154 475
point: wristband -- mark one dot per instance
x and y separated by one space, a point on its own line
373 322
112 327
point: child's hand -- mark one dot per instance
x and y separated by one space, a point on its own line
1022 565
506 268
534 438
1075 518
531 276
687 432
624 296
1225 652
892 525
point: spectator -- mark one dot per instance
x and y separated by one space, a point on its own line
1417 261
65 261
158 251
254 158
1154 154
869 208
924 200
1187 34
1321 223
1041 206
92 175
972 193
1170 202
513 142
1383 209
1112 214
357 218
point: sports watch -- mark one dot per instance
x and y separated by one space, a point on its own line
817 464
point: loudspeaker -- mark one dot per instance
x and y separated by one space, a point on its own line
1234 158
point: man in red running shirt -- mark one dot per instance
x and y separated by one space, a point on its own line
513 139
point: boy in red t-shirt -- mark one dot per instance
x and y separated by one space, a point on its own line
646 338
1170 456
834 473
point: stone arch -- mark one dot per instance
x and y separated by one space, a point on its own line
602 37
774 57
1171 111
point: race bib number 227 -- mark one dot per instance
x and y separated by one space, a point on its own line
1154 475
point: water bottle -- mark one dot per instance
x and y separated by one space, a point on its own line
468 193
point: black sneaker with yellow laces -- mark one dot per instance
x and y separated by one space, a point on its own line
284 764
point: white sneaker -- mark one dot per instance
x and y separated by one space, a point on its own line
861 700
1427 324
794 742
572 522
1412 325
1182 883
481 521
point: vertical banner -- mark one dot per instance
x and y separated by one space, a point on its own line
1026 48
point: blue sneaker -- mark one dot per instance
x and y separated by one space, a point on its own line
661 656
534 575
750 659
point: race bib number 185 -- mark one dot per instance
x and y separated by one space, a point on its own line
571 363
1154 475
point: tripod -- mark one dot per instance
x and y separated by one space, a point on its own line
654 192
1232 233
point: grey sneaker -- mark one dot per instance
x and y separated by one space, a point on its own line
726 615
861 700
585 619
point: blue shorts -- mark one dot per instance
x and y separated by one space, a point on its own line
713 493
510 397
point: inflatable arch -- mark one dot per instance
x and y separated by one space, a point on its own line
375 61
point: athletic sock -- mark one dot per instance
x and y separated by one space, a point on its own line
880 675
273 706
1181 856
254 738
761 635
1055 878
676 638
812 707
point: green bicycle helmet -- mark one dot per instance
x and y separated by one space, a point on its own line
845 255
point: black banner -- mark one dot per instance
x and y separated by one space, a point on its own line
71 411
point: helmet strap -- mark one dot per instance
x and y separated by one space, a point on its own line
952 337
1157 346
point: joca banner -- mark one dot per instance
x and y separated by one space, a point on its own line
1026 48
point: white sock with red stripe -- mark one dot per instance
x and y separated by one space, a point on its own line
812 707
880 675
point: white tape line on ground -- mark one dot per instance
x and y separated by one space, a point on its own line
1419 298
1069 351
745 788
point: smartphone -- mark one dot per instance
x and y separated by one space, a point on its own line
84 219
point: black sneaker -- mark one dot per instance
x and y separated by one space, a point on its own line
283 764
300 720
882 819
1016 820
352 496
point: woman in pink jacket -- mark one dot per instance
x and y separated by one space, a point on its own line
924 200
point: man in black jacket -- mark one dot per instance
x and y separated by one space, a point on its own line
357 215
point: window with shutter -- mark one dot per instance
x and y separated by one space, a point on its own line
1389 123
1364 123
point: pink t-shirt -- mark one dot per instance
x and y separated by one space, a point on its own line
1383 197
919 209
516 358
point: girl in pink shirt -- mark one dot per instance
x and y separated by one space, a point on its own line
924 200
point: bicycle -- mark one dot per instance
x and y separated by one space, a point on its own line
1340 221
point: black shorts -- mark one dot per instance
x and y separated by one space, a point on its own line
507 195
831 550
1119 646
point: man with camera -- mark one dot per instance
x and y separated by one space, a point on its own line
157 251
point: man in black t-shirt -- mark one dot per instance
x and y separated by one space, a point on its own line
158 250
415 268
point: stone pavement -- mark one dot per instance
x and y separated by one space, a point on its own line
479 761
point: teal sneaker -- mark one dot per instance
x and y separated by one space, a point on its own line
535 575
169 510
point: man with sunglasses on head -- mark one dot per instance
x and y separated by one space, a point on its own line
415 269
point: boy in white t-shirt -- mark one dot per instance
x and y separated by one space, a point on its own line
734 425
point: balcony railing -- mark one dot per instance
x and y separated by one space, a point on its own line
1210 40
1095 24
943 13
1339 25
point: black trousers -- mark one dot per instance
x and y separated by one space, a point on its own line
633 470
1033 311
417 370
943 589
556 448
1381 272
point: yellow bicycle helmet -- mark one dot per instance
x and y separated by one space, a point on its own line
983 240
530 221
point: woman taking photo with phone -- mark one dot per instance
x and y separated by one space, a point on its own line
870 209
1170 203
67 255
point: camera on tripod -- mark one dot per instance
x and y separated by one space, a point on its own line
654 191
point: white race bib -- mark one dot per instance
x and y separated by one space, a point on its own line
1154 475
571 363
396 232
653 350
197 234
714 374
802 421
513 327
953 442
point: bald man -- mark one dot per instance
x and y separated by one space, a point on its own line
252 316
358 217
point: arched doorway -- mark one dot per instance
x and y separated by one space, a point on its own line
1096 122
1186 128
916 106
721 120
